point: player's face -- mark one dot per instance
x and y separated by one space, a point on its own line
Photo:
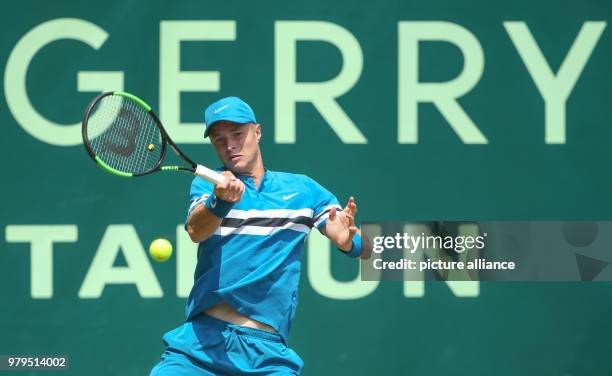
237 145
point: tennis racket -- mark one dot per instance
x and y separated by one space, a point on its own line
123 135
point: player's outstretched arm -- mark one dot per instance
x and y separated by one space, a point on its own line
205 219
340 229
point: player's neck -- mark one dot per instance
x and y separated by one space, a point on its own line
258 172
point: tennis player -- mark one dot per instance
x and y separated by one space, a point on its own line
251 231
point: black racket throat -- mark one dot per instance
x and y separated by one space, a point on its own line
167 140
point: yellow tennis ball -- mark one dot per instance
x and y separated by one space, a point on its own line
150 147
160 249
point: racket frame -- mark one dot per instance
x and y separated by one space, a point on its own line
204 172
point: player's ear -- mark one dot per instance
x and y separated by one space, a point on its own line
258 131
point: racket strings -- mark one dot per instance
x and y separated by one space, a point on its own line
123 135
120 145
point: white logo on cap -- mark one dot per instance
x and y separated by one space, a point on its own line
221 109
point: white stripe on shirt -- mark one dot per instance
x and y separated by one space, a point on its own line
271 213
259 230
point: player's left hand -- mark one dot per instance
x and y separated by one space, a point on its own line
340 227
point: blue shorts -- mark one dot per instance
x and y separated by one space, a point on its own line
207 346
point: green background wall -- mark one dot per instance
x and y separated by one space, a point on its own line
490 328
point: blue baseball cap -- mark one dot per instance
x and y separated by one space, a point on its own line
231 109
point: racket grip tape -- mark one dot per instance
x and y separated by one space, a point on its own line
209 175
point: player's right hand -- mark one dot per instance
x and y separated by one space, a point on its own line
231 189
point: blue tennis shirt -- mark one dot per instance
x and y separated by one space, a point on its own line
252 261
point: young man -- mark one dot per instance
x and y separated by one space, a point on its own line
251 231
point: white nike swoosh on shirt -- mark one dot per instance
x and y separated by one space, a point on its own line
221 109
287 197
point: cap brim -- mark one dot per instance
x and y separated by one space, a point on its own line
209 127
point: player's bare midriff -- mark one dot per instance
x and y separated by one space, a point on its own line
224 311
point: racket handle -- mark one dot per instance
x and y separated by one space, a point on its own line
209 175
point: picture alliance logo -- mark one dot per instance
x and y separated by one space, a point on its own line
412 243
